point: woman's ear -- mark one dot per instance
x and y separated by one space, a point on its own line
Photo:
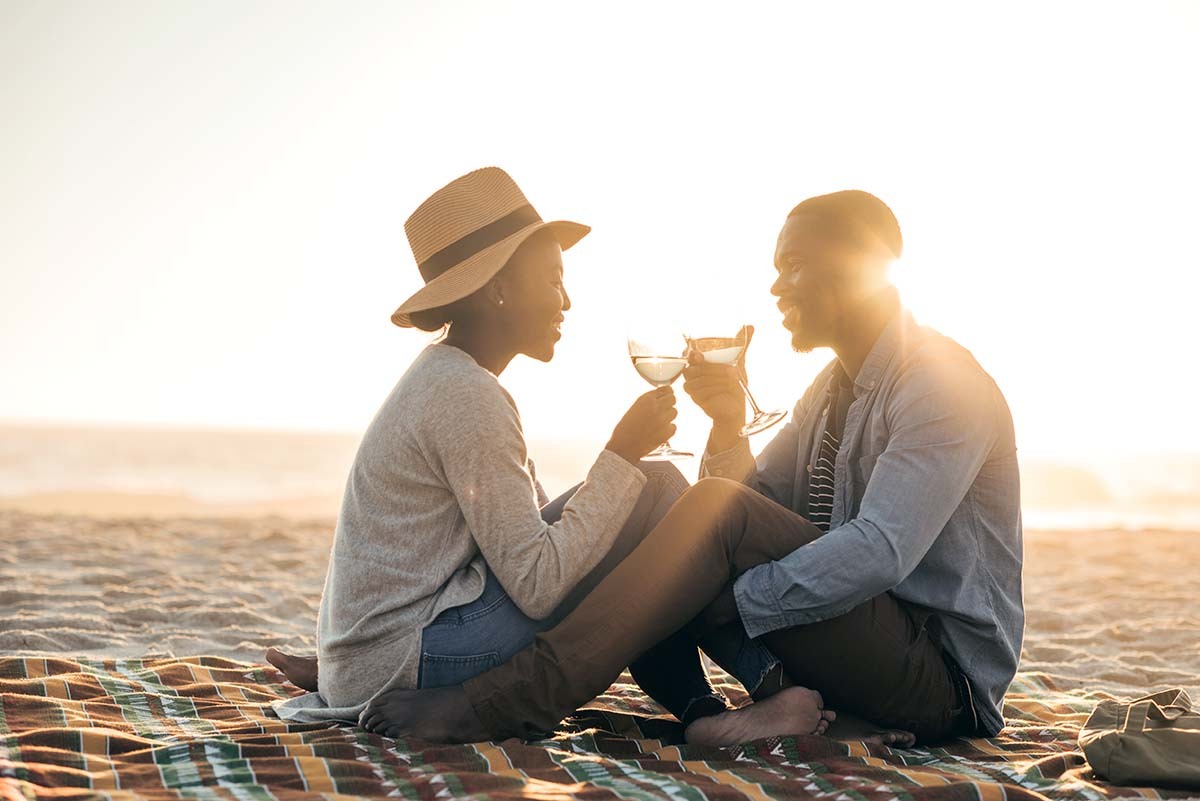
493 290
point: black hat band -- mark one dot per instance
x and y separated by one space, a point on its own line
480 239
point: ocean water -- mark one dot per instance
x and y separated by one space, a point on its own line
225 468
307 471
212 466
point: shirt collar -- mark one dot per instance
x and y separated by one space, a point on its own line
882 351
839 379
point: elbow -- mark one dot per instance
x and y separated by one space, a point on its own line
881 576
535 609
534 605
891 574
537 581
888 566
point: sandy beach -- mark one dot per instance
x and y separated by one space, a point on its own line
1107 610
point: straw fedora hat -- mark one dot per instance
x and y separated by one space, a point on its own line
466 231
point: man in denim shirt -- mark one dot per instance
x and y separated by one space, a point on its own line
923 510
872 553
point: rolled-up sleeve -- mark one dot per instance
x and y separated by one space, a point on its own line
944 419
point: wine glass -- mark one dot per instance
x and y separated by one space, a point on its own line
729 350
659 357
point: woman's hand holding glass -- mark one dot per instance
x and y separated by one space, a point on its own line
646 425
659 354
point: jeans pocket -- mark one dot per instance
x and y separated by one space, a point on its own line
438 670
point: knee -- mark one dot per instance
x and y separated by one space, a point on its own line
713 496
711 487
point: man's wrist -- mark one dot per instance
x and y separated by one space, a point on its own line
724 436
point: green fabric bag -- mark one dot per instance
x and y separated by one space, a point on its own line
1153 740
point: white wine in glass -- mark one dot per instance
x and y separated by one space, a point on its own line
729 350
659 370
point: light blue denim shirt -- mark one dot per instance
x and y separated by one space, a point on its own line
926 505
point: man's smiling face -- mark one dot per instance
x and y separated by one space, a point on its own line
816 273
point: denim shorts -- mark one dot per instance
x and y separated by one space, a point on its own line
467 640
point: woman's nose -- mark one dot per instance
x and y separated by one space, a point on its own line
566 299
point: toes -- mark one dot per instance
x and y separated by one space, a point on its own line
828 715
391 731
902 739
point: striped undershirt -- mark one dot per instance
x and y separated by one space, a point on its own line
820 483
820 480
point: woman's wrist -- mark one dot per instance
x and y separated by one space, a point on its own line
623 452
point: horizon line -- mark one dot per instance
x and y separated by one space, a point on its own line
32 423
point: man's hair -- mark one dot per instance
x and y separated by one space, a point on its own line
856 216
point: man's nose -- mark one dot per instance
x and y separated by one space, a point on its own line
566 299
782 283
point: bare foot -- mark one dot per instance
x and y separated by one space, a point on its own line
855 729
440 715
893 737
300 670
792 710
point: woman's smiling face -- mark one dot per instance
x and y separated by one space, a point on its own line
531 286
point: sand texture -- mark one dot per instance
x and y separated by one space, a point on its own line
1111 611
91 586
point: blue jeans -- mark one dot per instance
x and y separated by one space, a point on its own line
467 640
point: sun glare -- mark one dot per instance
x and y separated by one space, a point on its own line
241 274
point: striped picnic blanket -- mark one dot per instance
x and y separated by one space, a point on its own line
202 728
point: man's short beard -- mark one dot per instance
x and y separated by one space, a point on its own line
803 347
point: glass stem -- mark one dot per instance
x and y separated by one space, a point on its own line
757 411
742 383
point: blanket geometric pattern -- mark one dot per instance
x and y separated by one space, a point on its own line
202 728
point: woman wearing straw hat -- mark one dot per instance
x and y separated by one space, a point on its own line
447 559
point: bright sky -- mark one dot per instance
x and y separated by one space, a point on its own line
201 204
